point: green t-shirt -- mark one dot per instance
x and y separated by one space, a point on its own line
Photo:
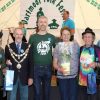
42 48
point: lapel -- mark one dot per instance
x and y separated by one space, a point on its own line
14 48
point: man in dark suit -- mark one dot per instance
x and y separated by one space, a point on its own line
18 56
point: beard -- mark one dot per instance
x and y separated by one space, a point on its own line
42 28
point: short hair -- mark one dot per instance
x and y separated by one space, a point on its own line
65 28
66 11
21 23
90 31
42 17
17 29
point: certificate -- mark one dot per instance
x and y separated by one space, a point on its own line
9 77
66 67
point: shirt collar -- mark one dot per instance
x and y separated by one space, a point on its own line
18 43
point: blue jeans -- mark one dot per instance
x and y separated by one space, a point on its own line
42 80
23 91
68 88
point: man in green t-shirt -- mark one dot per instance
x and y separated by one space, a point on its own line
42 43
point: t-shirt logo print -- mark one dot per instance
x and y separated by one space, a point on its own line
43 47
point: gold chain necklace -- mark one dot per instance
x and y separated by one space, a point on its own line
13 55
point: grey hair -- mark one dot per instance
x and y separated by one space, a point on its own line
42 17
16 30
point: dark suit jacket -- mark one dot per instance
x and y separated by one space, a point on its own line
27 65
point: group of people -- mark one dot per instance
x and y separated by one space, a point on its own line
32 62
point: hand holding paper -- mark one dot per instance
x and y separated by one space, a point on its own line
66 68
8 62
